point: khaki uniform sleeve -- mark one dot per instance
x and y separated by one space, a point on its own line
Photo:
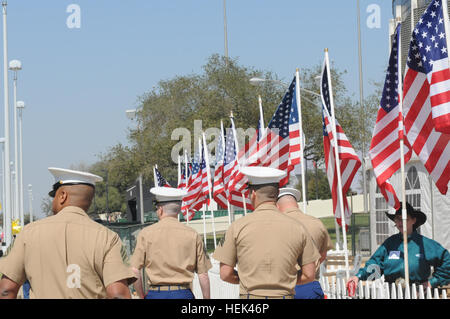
13 265
227 254
138 258
114 268
203 262
310 252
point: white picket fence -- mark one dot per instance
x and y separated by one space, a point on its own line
378 289
333 288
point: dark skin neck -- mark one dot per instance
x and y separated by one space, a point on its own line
73 195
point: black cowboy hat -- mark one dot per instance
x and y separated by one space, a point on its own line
420 217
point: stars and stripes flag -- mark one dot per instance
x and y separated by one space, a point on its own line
230 171
160 181
200 183
194 188
280 144
183 176
426 95
219 194
385 146
348 160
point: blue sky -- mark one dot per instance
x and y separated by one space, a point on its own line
77 83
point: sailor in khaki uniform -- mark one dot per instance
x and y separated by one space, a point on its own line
170 252
266 245
288 203
67 255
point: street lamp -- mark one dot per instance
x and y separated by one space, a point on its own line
16 66
7 204
30 203
20 107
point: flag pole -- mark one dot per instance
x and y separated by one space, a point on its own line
223 150
203 205
155 180
261 117
236 147
186 179
179 177
446 25
302 159
208 173
338 167
402 158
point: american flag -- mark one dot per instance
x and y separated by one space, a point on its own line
194 190
161 181
280 144
219 194
385 146
426 93
230 171
349 161
203 192
184 177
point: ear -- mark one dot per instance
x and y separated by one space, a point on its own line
62 197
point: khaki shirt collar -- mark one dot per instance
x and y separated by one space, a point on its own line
73 210
168 219
293 210
266 206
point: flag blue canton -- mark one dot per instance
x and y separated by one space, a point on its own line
161 180
280 120
389 99
428 43
230 150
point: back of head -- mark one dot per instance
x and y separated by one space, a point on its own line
287 202
266 192
78 195
171 209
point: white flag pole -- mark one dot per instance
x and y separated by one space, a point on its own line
223 152
402 159
203 206
186 179
179 178
302 159
446 25
261 117
236 147
208 172
338 167
154 175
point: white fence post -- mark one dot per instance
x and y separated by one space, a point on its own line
436 293
393 291
429 296
361 290
407 292
421 292
400 291
444 294
367 292
413 291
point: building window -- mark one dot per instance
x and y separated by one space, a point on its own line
412 186
381 221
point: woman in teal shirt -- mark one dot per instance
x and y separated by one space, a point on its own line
423 252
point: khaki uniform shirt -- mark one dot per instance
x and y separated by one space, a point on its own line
316 229
170 252
67 255
267 245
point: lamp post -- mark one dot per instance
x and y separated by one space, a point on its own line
30 201
2 141
20 107
16 66
7 203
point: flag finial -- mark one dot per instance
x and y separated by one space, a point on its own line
326 49
296 70
231 114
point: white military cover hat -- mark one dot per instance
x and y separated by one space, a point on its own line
258 175
70 177
168 194
290 191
